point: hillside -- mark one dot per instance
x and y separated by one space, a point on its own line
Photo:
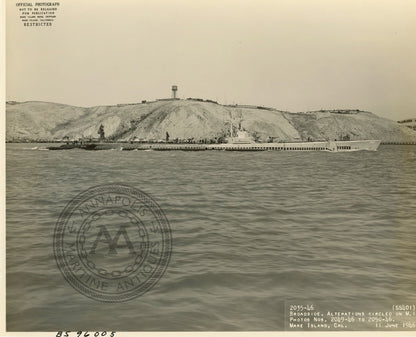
187 119
356 124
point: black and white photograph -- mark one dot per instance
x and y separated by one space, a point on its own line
209 166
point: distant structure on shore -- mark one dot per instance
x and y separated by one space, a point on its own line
101 132
410 123
174 90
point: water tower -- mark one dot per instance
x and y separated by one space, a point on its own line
174 90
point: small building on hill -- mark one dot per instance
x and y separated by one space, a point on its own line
410 123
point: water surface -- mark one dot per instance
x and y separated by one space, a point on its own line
251 232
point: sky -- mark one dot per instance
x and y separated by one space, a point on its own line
297 55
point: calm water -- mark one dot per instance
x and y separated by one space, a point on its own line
251 232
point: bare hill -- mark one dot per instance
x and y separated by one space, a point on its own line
355 124
187 119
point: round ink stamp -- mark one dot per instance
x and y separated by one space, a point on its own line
112 243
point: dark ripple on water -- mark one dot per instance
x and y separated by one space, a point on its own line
251 231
